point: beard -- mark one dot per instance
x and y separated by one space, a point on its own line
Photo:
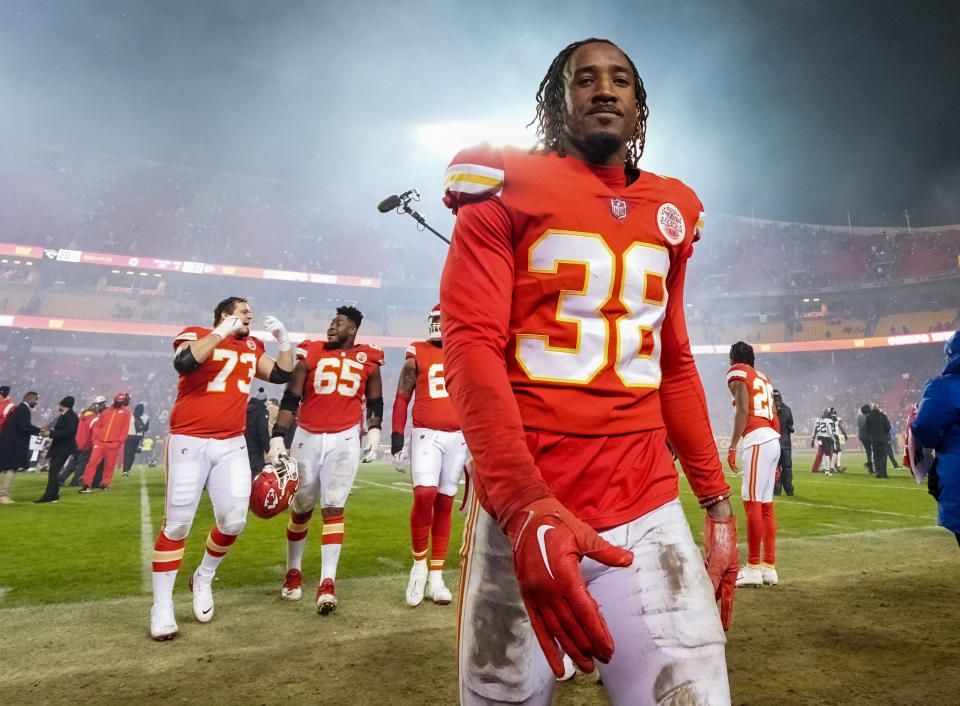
599 146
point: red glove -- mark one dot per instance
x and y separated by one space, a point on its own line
548 544
732 460
720 542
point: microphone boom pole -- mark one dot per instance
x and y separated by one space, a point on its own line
402 205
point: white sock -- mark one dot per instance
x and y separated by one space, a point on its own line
435 576
295 553
163 586
329 556
209 563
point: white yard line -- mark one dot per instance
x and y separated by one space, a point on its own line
146 537
859 533
911 489
856 509
384 485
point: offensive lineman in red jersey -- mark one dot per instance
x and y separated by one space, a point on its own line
331 378
437 455
757 425
206 448
569 366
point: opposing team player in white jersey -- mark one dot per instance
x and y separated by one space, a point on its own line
330 380
206 448
757 426
824 440
437 455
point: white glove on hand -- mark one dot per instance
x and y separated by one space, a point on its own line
276 328
230 326
277 449
369 454
400 460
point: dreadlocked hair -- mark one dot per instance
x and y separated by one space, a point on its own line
551 105
741 352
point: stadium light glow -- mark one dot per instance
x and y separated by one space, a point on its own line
447 138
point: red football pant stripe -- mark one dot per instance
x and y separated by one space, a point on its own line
106 452
440 532
421 518
754 530
769 533
165 544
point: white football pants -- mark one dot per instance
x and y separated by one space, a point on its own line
220 465
759 465
661 612
327 464
437 459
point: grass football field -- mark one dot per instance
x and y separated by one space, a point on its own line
866 612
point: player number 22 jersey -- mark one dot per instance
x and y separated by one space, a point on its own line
212 399
335 385
762 422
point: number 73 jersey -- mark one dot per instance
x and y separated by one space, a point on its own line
335 385
212 399
762 421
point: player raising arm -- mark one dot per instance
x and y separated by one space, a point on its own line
206 448
329 382
569 366
437 455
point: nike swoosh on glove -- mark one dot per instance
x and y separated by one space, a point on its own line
720 542
548 543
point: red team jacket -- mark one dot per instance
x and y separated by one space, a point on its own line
432 408
212 399
5 408
335 384
763 424
573 281
84 436
111 426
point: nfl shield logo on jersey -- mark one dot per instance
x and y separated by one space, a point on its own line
619 208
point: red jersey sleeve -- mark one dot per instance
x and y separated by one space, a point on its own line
682 400
302 349
189 335
475 174
475 295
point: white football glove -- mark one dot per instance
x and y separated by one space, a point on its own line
400 460
369 454
230 326
276 328
277 449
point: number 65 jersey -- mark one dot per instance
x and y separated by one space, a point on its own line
335 385
212 399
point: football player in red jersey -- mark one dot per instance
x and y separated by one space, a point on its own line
206 448
437 455
329 382
109 432
569 366
755 424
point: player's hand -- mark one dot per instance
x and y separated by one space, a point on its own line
369 453
396 442
720 543
400 461
231 326
277 449
548 545
275 327
732 460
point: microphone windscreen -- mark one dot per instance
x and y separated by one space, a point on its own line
389 203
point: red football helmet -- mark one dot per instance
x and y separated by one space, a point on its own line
121 399
433 324
273 488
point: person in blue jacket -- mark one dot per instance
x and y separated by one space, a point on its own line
937 426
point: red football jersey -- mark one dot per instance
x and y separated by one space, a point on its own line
111 426
761 411
6 406
335 385
574 280
212 400
432 408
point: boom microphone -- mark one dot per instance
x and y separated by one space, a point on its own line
392 202
388 204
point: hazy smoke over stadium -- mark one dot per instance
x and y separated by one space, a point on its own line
798 111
